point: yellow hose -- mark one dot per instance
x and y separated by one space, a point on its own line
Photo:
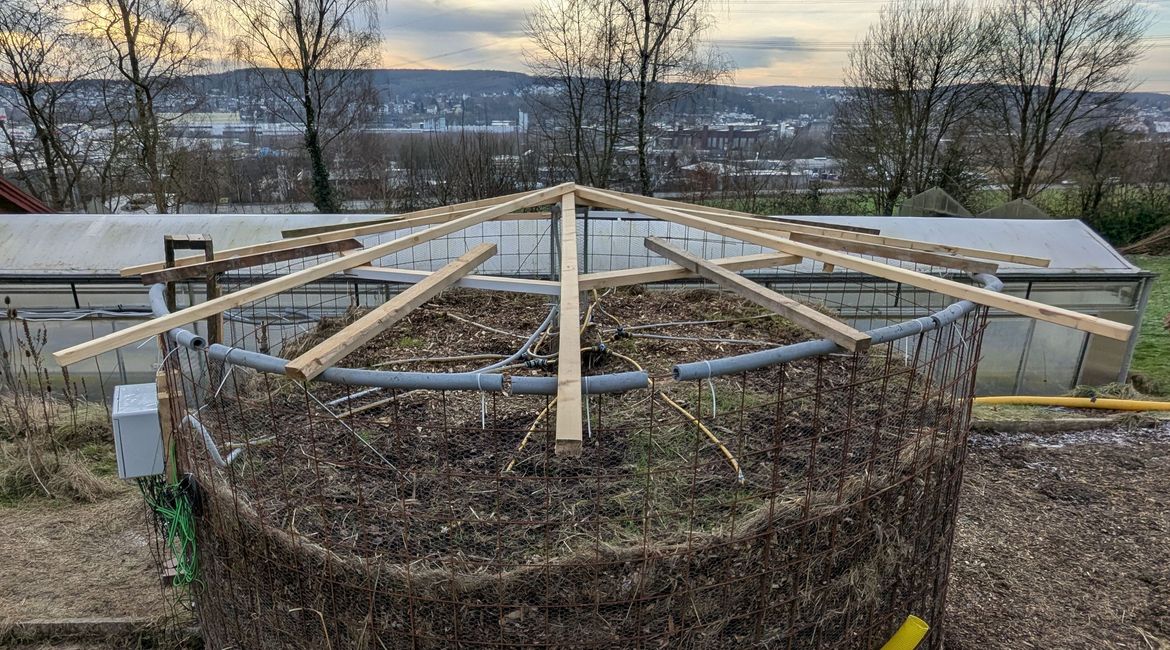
909 635
1077 402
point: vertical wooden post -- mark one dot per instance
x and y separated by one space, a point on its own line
169 252
166 408
171 243
214 322
569 424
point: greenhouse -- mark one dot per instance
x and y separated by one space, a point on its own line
61 273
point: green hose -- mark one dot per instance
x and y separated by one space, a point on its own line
175 518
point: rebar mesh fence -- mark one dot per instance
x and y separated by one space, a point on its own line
806 504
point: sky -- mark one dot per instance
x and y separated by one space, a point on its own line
770 42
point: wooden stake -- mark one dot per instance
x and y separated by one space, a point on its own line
820 324
222 264
569 425
336 347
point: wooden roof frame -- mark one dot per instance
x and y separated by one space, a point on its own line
791 241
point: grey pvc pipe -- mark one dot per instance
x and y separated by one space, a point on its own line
805 349
471 381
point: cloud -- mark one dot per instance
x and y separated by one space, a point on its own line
443 17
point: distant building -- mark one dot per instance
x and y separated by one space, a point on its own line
716 138
14 200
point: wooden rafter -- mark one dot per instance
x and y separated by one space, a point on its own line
946 287
668 272
611 199
453 210
222 264
485 282
328 352
260 291
569 436
403 223
893 253
821 324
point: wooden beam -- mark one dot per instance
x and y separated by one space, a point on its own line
946 287
668 272
569 425
599 197
894 253
260 291
402 223
820 324
221 264
452 210
358 333
485 282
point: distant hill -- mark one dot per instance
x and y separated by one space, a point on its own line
770 103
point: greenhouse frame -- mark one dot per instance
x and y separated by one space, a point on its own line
62 273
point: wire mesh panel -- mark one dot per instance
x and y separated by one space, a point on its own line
806 504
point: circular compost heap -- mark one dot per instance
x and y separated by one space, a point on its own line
808 503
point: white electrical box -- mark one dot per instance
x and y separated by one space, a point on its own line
137 431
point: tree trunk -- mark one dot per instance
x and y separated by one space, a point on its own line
323 196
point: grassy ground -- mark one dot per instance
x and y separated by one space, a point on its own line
1151 358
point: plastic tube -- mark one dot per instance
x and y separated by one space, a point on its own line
470 381
912 632
805 349
208 442
1077 402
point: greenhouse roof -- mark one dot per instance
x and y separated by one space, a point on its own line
1071 245
97 246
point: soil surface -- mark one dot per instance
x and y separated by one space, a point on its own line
1064 542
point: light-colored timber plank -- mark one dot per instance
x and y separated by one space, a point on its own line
403 223
668 272
220 265
599 198
485 282
451 210
946 287
256 292
569 425
894 253
328 352
823 325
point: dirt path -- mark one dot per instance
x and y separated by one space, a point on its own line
1064 542
77 561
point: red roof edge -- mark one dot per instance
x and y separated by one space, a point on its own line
20 200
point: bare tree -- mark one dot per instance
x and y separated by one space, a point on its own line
1060 65
42 61
153 45
579 48
669 61
312 56
912 84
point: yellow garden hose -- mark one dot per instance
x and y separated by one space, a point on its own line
909 635
1077 402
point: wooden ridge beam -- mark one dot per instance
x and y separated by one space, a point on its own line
894 253
599 197
668 272
569 425
260 291
328 352
220 265
485 282
946 287
820 324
